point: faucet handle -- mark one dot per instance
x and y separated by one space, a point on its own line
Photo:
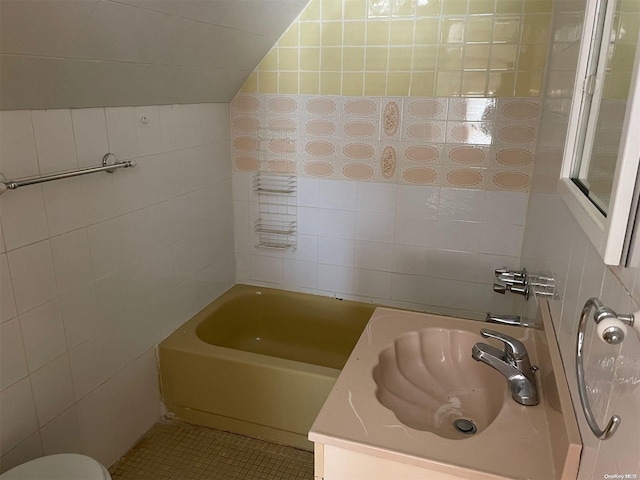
520 289
512 279
514 348
501 271
499 288
506 272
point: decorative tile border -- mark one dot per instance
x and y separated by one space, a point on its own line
476 143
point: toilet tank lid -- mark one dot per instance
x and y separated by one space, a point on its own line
63 466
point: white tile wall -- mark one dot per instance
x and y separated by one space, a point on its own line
62 435
72 260
54 140
64 206
90 134
13 362
415 201
300 275
121 132
461 204
554 242
18 149
43 334
148 130
97 422
418 247
7 300
80 315
24 218
612 373
335 223
18 415
52 389
94 271
89 367
32 275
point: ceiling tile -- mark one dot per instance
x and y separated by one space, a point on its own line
41 27
169 40
111 33
73 54
29 83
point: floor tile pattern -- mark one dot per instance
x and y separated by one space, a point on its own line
173 450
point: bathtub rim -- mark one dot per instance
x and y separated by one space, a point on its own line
186 339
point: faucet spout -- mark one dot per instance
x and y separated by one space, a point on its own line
522 384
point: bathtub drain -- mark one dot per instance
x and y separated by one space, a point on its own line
465 426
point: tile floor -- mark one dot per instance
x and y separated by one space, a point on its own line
173 450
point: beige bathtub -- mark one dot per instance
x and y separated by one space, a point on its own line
259 361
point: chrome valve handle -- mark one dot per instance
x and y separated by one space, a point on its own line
513 288
499 288
506 273
522 283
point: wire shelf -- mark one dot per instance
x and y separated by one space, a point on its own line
277 224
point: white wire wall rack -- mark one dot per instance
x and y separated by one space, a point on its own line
105 167
277 224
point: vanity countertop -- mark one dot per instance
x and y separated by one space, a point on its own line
535 442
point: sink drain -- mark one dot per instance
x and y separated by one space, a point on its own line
465 426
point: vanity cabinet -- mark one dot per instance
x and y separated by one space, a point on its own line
357 438
335 463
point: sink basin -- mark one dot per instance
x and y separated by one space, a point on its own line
411 375
429 380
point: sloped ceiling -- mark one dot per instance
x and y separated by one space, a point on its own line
86 53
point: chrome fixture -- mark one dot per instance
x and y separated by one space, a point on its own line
523 290
513 363
503 274
522 283
514 320
612 329
106 167
513 281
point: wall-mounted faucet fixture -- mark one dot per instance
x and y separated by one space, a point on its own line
514 320
523 283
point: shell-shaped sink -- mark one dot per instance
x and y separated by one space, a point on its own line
429 380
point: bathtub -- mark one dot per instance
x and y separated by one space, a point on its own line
259 361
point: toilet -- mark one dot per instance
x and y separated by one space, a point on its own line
64 466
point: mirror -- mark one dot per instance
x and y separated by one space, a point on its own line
602 153
607 92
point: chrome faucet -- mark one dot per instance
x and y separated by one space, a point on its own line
513 363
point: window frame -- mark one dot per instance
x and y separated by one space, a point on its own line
607 232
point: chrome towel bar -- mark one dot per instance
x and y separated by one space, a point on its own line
611 328
105 167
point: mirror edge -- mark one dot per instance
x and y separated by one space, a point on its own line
608 234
